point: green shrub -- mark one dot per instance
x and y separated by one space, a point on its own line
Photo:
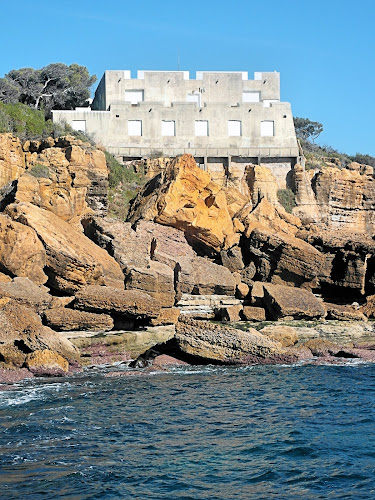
39 171
124 185
26 122
287 199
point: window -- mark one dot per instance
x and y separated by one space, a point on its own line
250 96
134 96
193 98
234 128
135 127
79 125
201 127
267 102
168 128
267 128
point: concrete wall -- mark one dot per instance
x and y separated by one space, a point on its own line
165 98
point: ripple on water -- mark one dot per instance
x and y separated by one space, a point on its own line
194 432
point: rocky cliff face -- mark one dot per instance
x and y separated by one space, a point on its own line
194 246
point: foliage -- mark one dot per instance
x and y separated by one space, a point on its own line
287 199
22 120
39 171
54 86
364 159
124 185
307 129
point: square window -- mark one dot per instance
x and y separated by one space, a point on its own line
201 128
234 128
134 127
134 96
79 125
168 128
267 128
250 96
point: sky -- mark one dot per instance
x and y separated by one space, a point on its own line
324 50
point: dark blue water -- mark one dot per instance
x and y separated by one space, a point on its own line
197 433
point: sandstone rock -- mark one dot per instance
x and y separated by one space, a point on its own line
236 200
205 306
21 251
242 290
251 313
46 362
368 309
25 292
223 344
22 332
157 280
232 259
117 346
12 161
248 273
231 313
286 335
257 294
262 184
73 261
307 207
200 276
184 197
167 316
346 200
348 259
130 303
322 347
343 313
269 217
71 319
282 301
284 259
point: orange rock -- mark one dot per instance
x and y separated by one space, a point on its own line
46 362
185 197
12 161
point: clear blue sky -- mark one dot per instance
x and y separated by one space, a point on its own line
324 50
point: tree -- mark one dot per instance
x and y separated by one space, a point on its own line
56 86
306 129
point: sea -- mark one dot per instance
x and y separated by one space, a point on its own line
192 432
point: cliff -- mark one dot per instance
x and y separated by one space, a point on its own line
194 247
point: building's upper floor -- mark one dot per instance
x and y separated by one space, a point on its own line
166 87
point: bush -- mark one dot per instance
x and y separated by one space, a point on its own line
124 185
39 171
287 199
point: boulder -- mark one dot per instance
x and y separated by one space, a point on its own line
183 196
262 183
73 261
322 347
242 290
231 313
22 333
129 303
46 363
25 292
200 276
205 306
167 316
286 335
343 312
307 207
257 293
208 342
284 260
232 259
157 280
251 313
21 251
283 302
63 319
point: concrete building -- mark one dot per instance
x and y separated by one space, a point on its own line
219 117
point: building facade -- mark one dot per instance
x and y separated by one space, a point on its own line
219 117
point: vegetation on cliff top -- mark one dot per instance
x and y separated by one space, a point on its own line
124 185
